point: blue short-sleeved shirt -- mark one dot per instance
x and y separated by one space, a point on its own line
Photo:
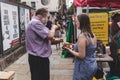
37 42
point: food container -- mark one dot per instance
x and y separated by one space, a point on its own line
107 48
66 44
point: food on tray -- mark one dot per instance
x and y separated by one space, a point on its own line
66 44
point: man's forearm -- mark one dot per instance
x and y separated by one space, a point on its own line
51 34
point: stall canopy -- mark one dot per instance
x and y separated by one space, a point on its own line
98 3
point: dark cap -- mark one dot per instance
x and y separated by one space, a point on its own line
114 16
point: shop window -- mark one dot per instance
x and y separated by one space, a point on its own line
33 5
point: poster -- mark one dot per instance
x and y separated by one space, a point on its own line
27 17
10 28
99 25
22 23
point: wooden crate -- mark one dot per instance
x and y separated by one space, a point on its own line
9 75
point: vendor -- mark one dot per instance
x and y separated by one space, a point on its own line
114 32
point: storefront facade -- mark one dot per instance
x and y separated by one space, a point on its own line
51 5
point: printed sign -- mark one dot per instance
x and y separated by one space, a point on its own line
27 17
99 25
10 28
22 23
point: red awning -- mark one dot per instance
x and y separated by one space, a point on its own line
98 3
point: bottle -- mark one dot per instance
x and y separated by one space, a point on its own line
119 41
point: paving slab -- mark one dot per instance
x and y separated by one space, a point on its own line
60 68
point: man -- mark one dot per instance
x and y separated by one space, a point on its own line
114 32
49 23
38 45
114 26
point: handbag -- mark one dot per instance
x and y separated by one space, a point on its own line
99 73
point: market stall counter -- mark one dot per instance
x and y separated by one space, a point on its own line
104 58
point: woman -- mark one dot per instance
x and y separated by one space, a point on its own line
84 49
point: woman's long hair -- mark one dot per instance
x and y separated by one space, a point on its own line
85 24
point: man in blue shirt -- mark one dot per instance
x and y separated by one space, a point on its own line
49 23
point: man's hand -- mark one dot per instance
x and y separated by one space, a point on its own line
52 32
59 26
67 49
56 27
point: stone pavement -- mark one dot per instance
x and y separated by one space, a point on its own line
60 68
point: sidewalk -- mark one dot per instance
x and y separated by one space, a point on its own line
60 68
